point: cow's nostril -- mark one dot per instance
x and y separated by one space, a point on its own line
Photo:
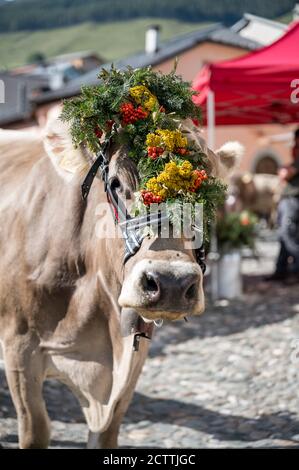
149 284
191 292
168 291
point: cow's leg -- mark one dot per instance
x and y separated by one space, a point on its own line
25 374
108 439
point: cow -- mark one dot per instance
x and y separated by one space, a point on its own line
258 193
64 291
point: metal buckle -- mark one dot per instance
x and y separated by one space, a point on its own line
136 340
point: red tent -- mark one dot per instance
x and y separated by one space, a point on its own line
256 88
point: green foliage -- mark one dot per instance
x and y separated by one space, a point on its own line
99 107
235 230
41 14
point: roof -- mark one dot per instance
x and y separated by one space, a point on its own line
254 88
59 59
28 68
216 33
73 56
252 27
16 106
20 91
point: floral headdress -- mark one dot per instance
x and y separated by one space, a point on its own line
149 108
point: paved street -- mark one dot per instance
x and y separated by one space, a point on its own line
227 379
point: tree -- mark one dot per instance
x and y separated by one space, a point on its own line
36 58
42 14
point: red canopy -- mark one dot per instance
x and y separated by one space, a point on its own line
256 88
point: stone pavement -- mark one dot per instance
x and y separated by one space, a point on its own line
227 379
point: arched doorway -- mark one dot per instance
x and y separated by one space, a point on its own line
266 164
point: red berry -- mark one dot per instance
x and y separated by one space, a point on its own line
148 197
131 114
98 132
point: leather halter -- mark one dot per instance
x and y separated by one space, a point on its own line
130 226
131 322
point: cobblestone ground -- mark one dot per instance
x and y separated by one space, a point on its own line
227 379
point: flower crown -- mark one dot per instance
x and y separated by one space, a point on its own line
149 108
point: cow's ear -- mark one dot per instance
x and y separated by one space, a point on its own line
67 160
230 155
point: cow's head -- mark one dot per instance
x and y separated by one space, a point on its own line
162 280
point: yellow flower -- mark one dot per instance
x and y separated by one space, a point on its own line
153 140
169 140
174 178
143 96
186 169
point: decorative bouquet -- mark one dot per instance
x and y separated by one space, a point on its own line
148 109
236 230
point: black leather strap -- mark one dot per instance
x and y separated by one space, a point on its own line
86 185
200 257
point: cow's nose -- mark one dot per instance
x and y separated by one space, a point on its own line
169 290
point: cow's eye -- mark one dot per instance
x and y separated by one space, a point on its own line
115 184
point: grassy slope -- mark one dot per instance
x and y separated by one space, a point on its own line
111 40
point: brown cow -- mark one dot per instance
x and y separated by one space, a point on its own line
63 289
258 193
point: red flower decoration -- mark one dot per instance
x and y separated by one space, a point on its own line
182 151
148 197
154 152
130 114
201 176
98 132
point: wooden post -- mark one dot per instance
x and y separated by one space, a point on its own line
214 255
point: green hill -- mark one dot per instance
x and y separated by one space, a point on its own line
41 14
110 40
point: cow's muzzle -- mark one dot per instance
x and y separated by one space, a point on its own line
169 290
